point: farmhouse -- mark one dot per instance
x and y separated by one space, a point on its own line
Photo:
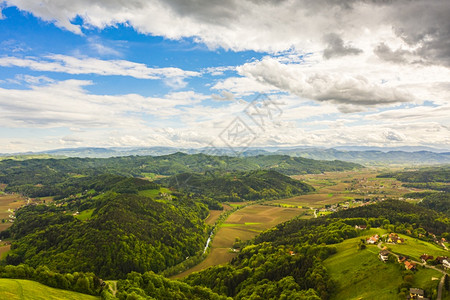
402 259
384 255
446 263
416 294
393 238
440 259
361 227
410 266
425 257
373 239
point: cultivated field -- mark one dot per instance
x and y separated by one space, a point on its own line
340 187
213 216
9 201
13 289
245 224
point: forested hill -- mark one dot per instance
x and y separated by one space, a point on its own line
126 232
239 186
38 176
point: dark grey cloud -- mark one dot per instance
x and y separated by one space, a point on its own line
384 52
337 48
208 11
424 25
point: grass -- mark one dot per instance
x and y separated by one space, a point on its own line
85 214
154 192
423 278
414 248
4 249
13 289
361 275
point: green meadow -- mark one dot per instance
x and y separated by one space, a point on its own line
414 248
17 289
361 275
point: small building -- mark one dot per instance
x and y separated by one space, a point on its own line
402 259
373 239
410 266
361 227
416 294
395 239
384 255
446 264
440 259
425 257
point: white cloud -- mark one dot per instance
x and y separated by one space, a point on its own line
224 96
218 71
98 46
418 113
87 65
263 26
66 103
368 59
321 85
243 86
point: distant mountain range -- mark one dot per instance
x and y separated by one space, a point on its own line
365 155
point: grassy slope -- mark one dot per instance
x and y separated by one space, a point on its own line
85 214
414 248
361 275
13 289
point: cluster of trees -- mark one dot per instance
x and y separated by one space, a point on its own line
437 201
312 231
400 212
152 286
87 283
265 271
239 186
125 233
432 174
66 186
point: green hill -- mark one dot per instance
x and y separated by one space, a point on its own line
239 186
49 177
124 233
19 289
359 274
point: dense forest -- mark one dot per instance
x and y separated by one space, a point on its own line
124 231
437 201
238 186
49 177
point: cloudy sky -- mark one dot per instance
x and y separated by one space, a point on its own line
193 73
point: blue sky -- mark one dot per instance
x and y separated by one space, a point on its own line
187 73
